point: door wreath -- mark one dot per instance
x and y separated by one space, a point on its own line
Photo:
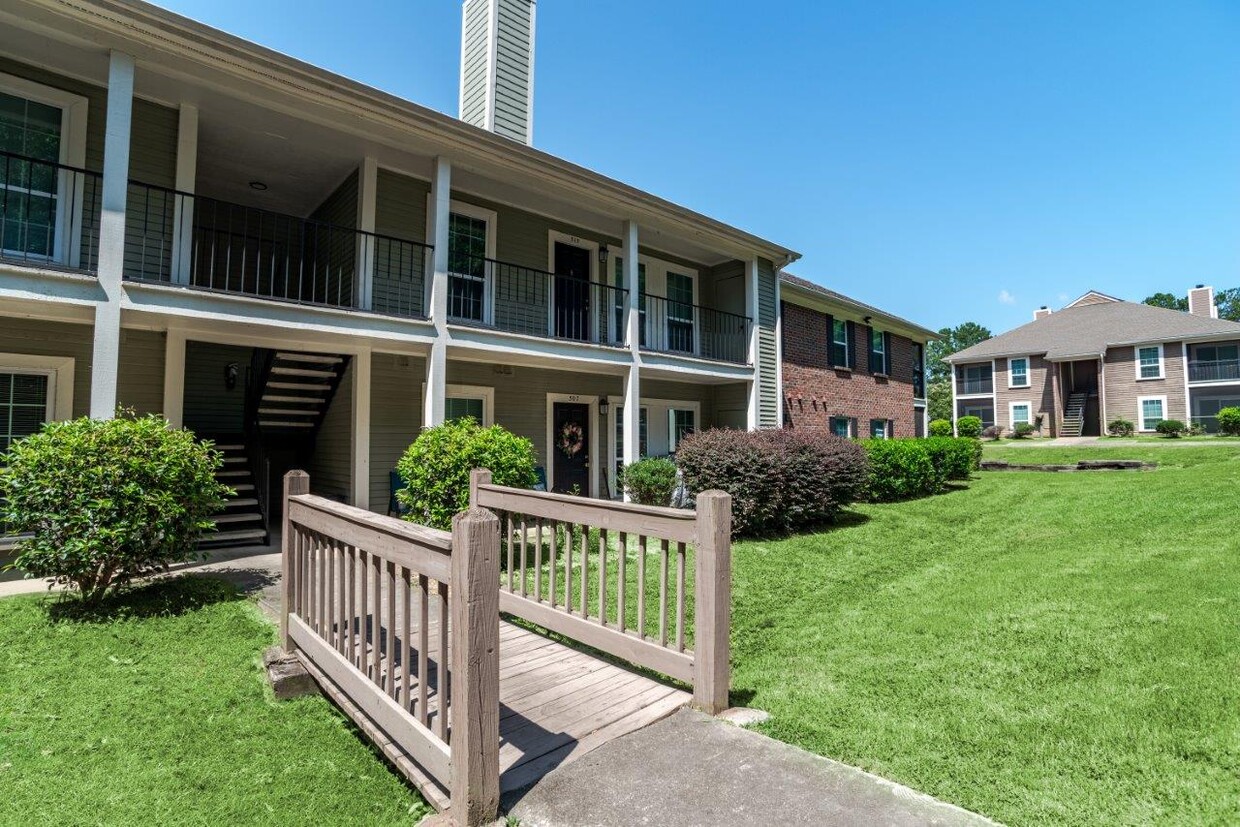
571 439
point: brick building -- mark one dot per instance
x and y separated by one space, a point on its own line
848 366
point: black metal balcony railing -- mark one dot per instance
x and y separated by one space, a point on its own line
1218 370
176 237
670 326
975 386
490 293
49 213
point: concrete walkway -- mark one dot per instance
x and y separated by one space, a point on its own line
690 770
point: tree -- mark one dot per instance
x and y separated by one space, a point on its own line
1168 300
939 401
952 340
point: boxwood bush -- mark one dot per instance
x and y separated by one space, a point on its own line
1172 428
437 465
901 469
650 481
1121 427
940 427
954 458
1228 421
969 426
108 500
1022 430
780 480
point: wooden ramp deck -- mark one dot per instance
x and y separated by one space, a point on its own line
558 703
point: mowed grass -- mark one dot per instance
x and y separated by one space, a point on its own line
1040 648
161 715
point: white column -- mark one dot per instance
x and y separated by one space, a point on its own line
367 184
359 465
751 310
187 175
437 304
105 357
955 409
174 378
779 354
632 380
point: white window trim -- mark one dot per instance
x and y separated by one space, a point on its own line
1028 370
848 425
614 403
1141 400
882 337
1162 363
492 220
60 385
692 408
483 392
1012 406
656 287
73 113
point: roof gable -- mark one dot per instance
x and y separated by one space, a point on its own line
1092 297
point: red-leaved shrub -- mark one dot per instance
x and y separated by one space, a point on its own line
780 480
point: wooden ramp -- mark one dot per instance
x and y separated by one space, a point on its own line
558 703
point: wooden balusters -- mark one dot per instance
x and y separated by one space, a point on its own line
622 582
641 587
424 639
602 576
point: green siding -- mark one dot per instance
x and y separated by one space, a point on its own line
768 361
400 212
140 381
340 210
474 62
513 54
395 417
40 338
211 408
331 467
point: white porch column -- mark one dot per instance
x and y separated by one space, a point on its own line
174 377
105 357
359 465
751 310
437 301
632 380
955 410
183 209
367 184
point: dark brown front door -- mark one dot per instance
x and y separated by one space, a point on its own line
570 448
572 292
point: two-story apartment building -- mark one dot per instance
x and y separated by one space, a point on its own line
311 270
850 367
1100 359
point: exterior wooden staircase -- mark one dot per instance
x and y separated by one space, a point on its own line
294 390
242 521
1074 414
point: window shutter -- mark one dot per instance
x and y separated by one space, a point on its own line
852 345
852 427
887 354
830 341
869 347
891 429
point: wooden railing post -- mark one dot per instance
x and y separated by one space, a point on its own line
475 666
295 483
477 477
712 601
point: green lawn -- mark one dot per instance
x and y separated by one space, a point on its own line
163 717
1040 648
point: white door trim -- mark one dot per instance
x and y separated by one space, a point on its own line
578 399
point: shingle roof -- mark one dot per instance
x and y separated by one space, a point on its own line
840 298
1089 329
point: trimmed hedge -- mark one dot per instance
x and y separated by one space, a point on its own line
940 427
969 426
1121 427
1229 421
954 458
1172 428
901 469
650 481
780 480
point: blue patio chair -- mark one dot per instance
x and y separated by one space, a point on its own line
540 479
396 482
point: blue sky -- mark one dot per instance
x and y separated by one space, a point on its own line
947 161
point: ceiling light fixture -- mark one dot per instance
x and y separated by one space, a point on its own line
258 185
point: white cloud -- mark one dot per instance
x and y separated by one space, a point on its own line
1006 298
1063 298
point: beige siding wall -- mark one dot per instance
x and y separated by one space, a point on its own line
1123 389
210 408
395 417
39 338
140 382
330 469
1039 394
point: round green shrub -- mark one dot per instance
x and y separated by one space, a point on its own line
940 427
1022 430
1228 421
436 468
780 479
901 469
108 500
1121 427
650 481
969 426
1172 428
954 458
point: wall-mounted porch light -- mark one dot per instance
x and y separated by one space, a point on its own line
603 406
602 254
231 370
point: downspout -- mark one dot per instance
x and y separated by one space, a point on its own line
1102 393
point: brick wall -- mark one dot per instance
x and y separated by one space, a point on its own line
814 391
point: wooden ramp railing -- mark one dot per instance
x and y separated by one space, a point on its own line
614 576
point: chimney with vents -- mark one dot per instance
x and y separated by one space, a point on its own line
1201 302
1041 313
497 67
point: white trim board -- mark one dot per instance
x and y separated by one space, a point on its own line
60 369
549 463
1141 400
1162 362
1028 370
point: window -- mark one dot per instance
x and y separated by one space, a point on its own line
1018 372
839 343
840 426
1021 412
983 412
1152 410
1150 362
878 429
878 352
919 371
1216 353
31 129
469 400
467 254
679 312
641 436
460 407
24 405
618 280
680 423
976 379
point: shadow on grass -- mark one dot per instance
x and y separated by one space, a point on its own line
161 598
844 519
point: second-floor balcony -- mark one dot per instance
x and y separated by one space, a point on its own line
974 386
1216 370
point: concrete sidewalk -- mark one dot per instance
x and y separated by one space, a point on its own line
690 770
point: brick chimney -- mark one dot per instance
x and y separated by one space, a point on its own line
1201 302
497 67
1041 313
